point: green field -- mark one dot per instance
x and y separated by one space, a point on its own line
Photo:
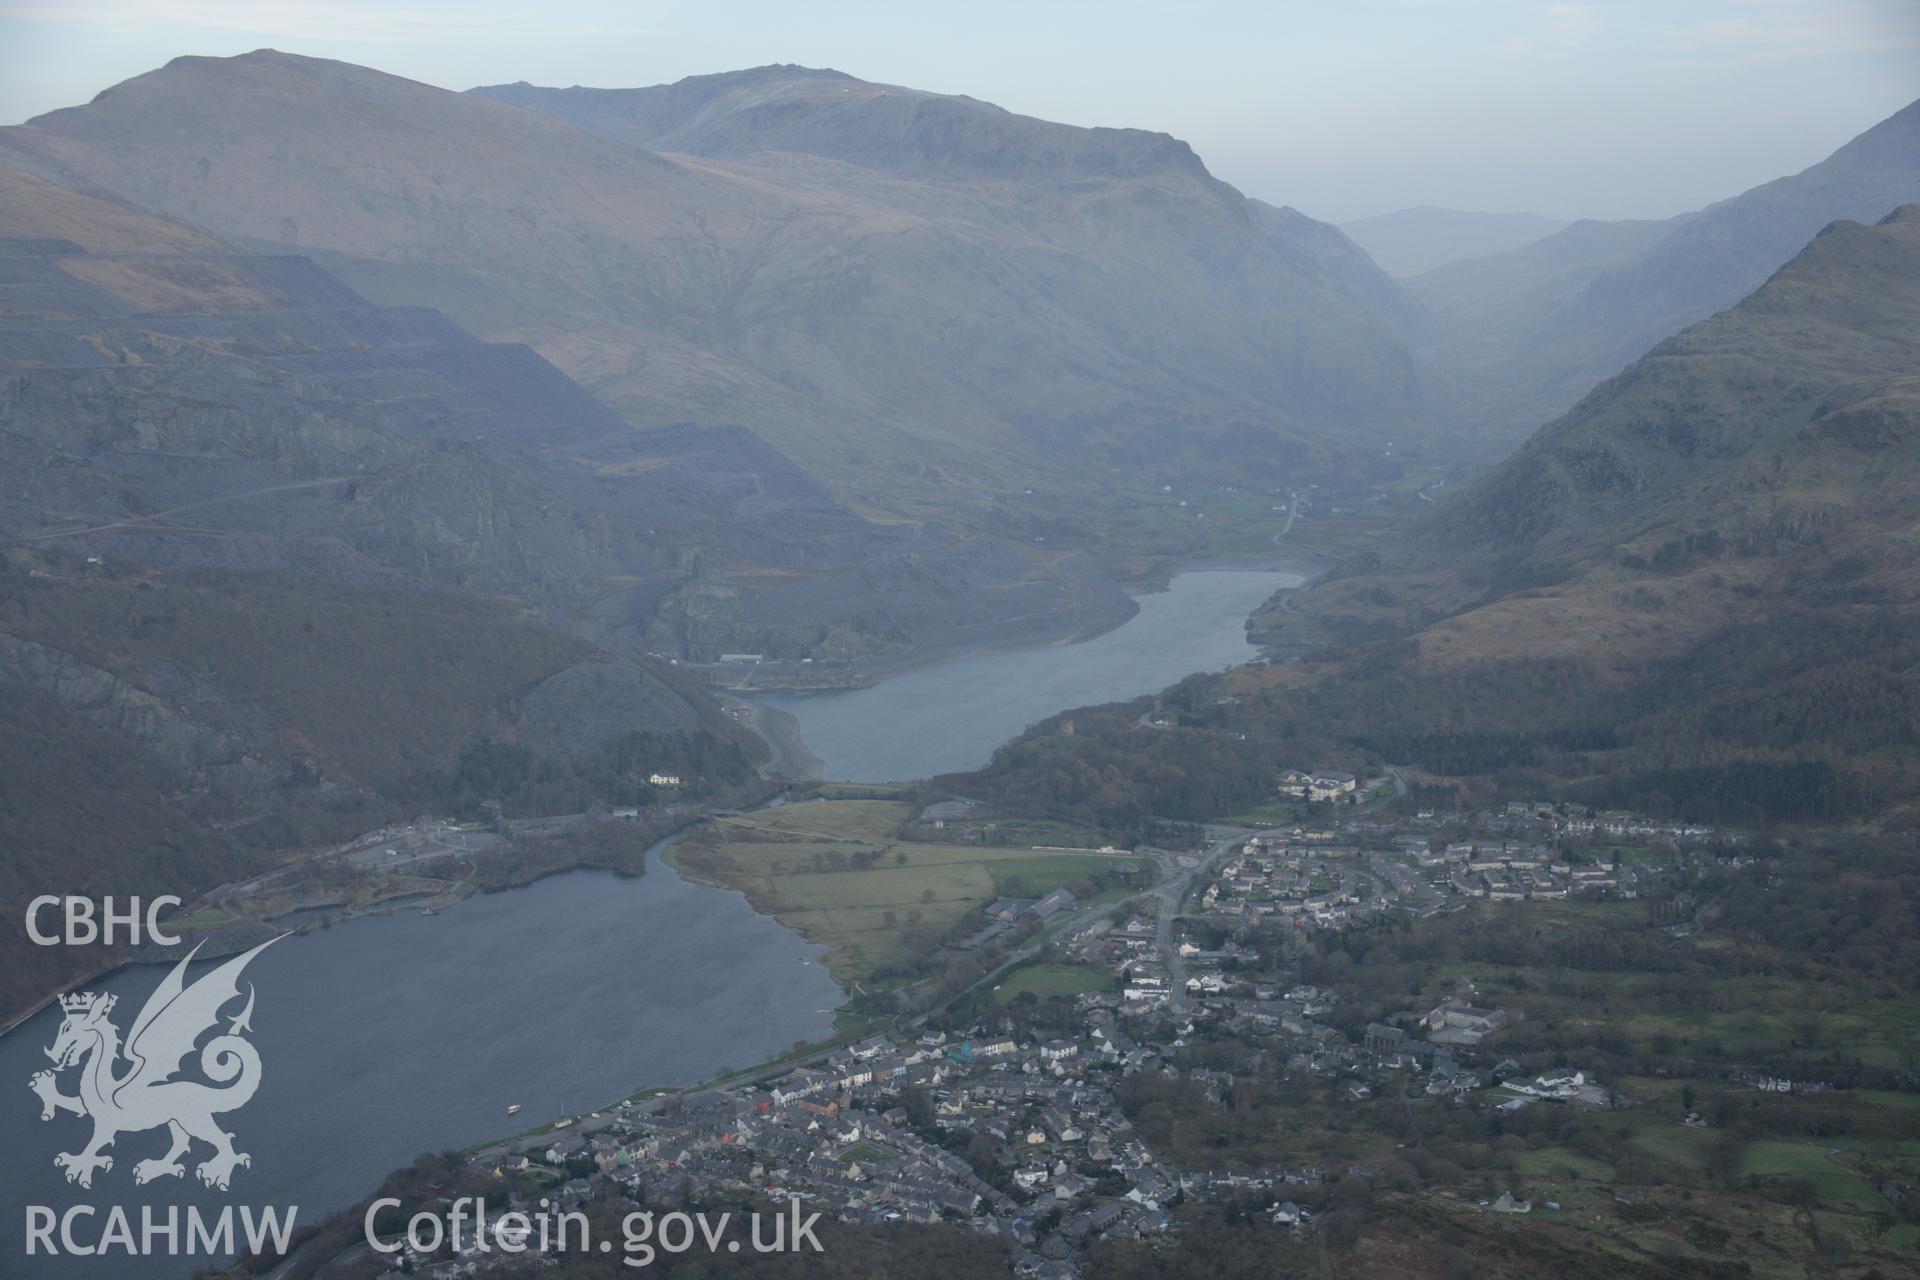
1019 874
203 921
1274 813
868 1154
874 903
1837 1186
1045 981
855 821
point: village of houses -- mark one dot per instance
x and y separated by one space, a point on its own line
874 1131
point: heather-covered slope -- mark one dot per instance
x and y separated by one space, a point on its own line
229 489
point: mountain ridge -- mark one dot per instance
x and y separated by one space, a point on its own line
918 341
1760 468
1525 333
837 116
236 412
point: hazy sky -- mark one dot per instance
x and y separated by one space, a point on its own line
1608 108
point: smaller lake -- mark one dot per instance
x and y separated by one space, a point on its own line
392 1035
950 717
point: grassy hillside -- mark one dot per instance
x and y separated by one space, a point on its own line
382 687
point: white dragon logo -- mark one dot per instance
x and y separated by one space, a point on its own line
145 1095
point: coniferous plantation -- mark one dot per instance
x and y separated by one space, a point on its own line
1253 641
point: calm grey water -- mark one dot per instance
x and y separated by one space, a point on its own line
389 1036
951 717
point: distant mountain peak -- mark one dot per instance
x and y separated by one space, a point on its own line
831 114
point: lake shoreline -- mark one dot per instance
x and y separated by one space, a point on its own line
948 716
863 673
791 758
340 1110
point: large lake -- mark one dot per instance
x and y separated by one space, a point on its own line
951 717
389 1036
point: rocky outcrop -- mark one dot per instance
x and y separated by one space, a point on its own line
212 737
595 703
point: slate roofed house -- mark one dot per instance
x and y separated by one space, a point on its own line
565 1147
1381 1038
801 1082
1458 1022
1058 900
854 1073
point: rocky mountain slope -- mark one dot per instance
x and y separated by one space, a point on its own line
1692 596
1522 335
171 401
938 298
1785 425
232 498
1712 556
1410 242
